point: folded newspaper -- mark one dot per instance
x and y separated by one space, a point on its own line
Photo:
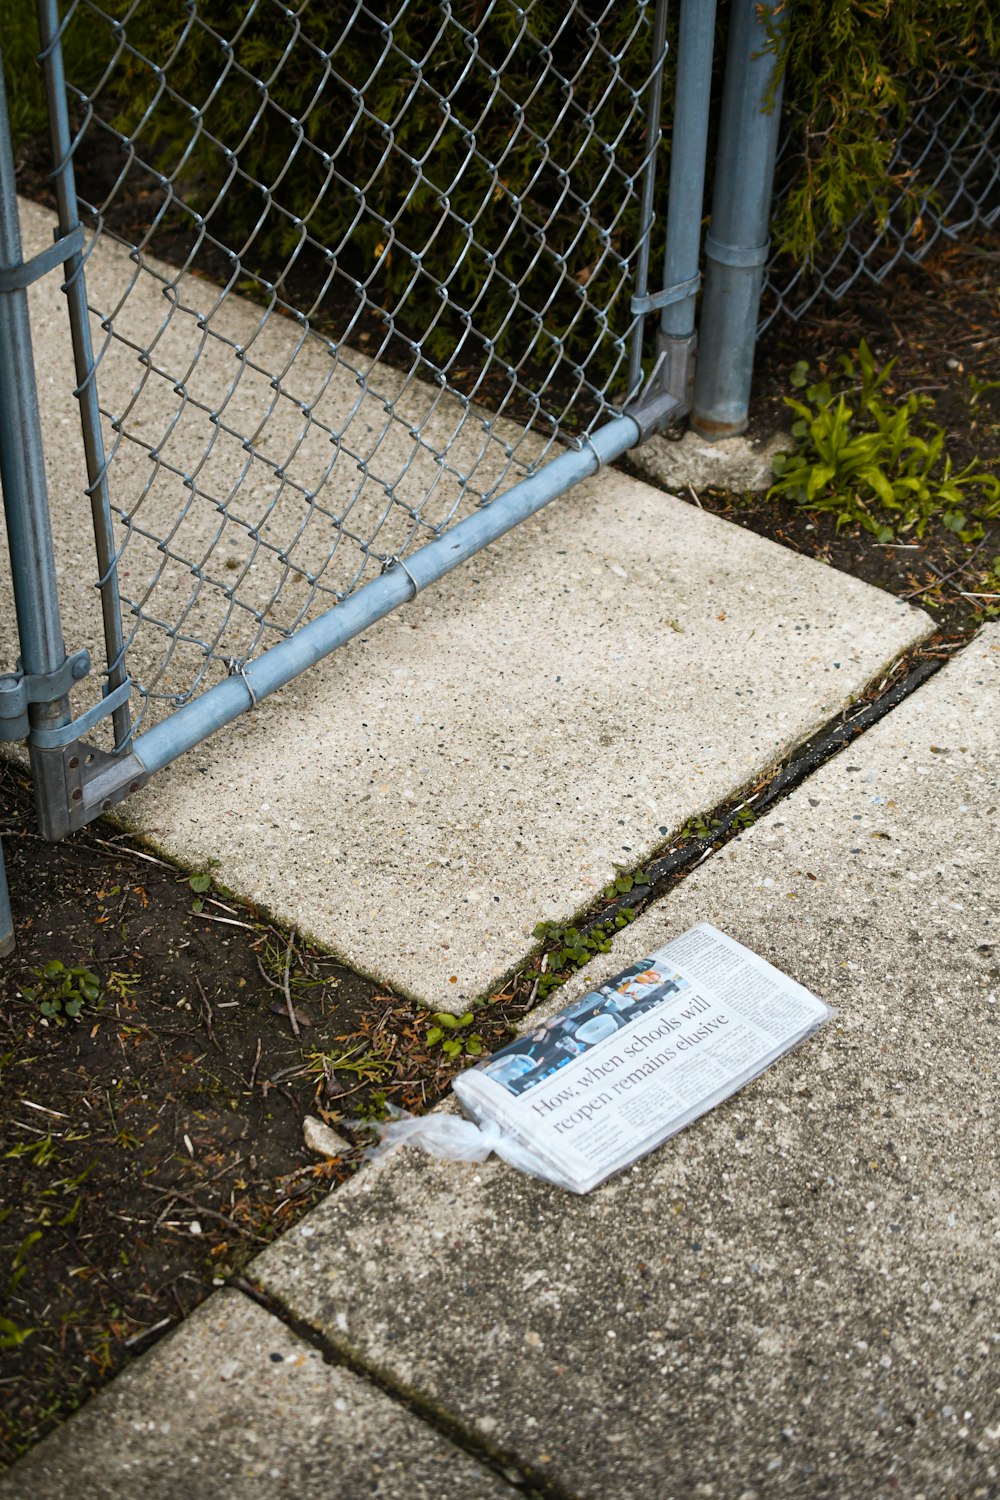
590 1090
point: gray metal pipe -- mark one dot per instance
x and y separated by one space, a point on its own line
673 372
654 135
688 152
6 920
188 726
736 246
64 181
22 466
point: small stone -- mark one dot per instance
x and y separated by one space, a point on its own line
321 1139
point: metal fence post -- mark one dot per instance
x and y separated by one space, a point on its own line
736 246
6 920
688 151
672 379
36 695
64 183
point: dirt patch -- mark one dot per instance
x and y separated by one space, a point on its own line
153 1144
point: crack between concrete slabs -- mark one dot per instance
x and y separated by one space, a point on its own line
725 820
522 1480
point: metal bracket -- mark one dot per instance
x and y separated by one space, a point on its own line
679 292
76 783
653 413
16 278
670 387
19 688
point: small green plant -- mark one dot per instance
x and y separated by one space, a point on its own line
700 827
199 883
572 948
624 883
990 591
372 1066
453 1036
875 464
62 992
375 1107
40 1153
980 388
11 1333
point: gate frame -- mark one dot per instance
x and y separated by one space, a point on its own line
74 781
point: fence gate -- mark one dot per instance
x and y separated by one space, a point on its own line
348 298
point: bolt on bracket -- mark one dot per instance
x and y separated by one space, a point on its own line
670 388
76 783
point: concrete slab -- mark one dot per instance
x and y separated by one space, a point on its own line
484 759
799 1293
692 463
234 1403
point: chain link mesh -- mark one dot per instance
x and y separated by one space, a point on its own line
351 275
946 165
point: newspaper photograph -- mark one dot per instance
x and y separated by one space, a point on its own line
593 1088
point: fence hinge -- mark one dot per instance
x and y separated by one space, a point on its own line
19 688
670 387
75 783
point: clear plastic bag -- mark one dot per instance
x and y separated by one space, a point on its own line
454 1138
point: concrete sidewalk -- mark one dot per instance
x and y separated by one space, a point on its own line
798 1295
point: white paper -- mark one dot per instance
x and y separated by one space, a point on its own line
594 1088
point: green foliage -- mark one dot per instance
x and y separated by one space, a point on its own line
85 50
990 595
453 1036
879 465
851 67
357 157
623 883
199 883
702 827
569 948
371 1066
375 1107
62 992
11 1333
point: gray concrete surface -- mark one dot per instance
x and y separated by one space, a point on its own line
691 463
232 1403
798 1295
485 758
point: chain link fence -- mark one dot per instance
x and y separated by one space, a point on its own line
350 274
946 168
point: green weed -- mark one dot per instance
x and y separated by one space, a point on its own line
372 1066
572 948
11 1333
875 464
61 993
623 883
453 1036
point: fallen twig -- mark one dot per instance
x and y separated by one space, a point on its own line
287 986
175 1195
